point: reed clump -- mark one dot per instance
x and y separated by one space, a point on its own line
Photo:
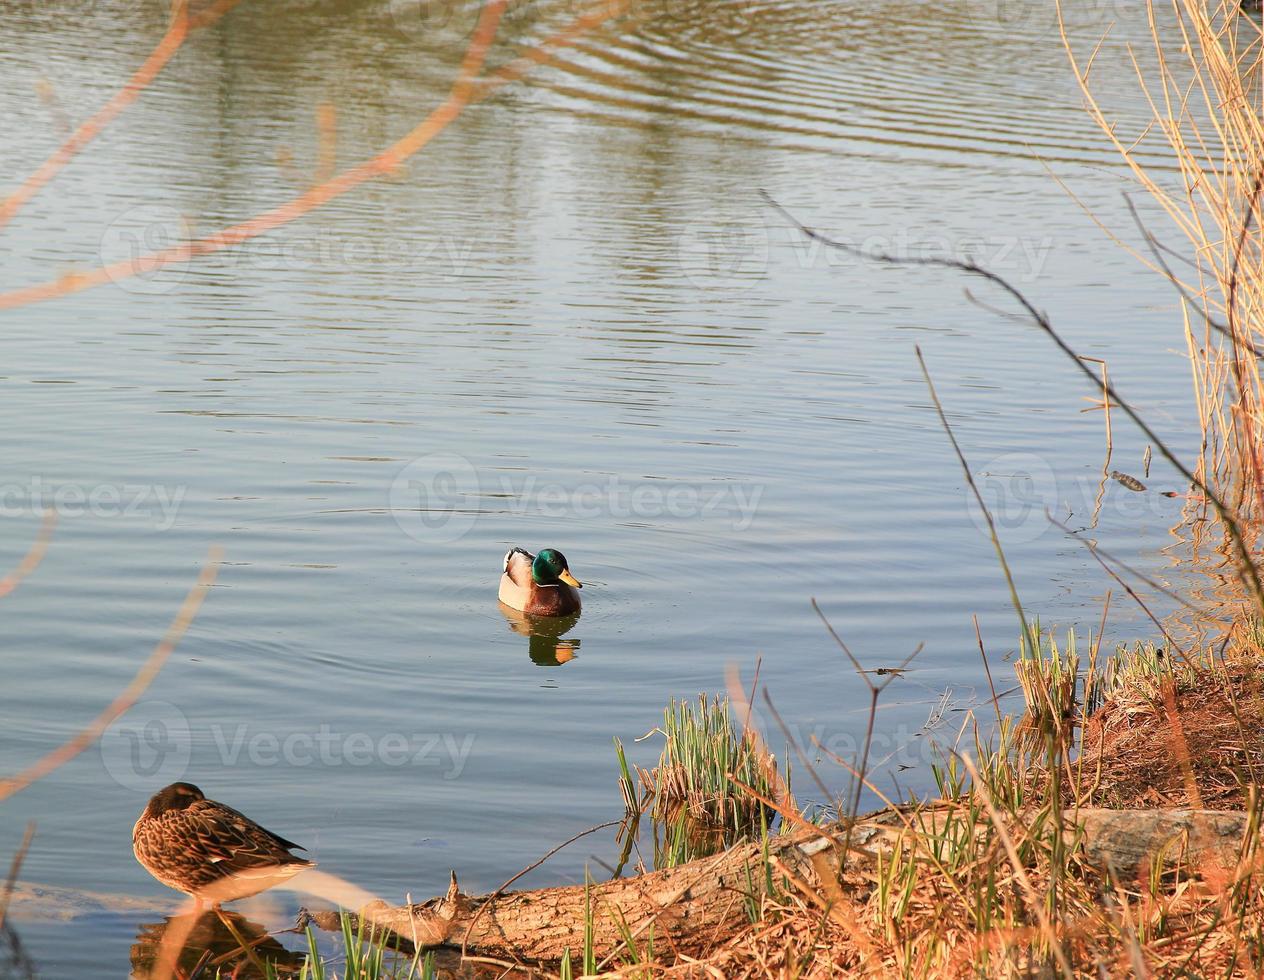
713 787
1050 679
362 955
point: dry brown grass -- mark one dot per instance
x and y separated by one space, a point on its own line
990 881
1220 710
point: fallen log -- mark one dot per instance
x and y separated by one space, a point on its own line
684 906
687 908
1125 840
681 905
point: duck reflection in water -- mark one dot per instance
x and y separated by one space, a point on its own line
544 633
221 942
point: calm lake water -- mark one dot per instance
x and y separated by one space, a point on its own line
571 321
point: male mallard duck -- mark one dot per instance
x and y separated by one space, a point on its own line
539 585
208 850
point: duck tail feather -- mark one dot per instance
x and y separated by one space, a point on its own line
516 551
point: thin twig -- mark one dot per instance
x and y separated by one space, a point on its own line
1136 573
1034 898
1156 249
752 734
987 669
1235 333
1241 553
1023 629
1132 593
794 744
875 691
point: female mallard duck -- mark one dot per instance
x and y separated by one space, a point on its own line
208 850
539 585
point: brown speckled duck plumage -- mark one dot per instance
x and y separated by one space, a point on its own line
208 850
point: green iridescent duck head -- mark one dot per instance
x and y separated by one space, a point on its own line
550 567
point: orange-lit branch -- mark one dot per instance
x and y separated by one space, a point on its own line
466 91
182 24
148 671
543 52
33 557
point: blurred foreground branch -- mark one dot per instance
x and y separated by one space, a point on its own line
33 557
144 677
467 90
183 23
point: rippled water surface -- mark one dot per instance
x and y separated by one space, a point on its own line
570 321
